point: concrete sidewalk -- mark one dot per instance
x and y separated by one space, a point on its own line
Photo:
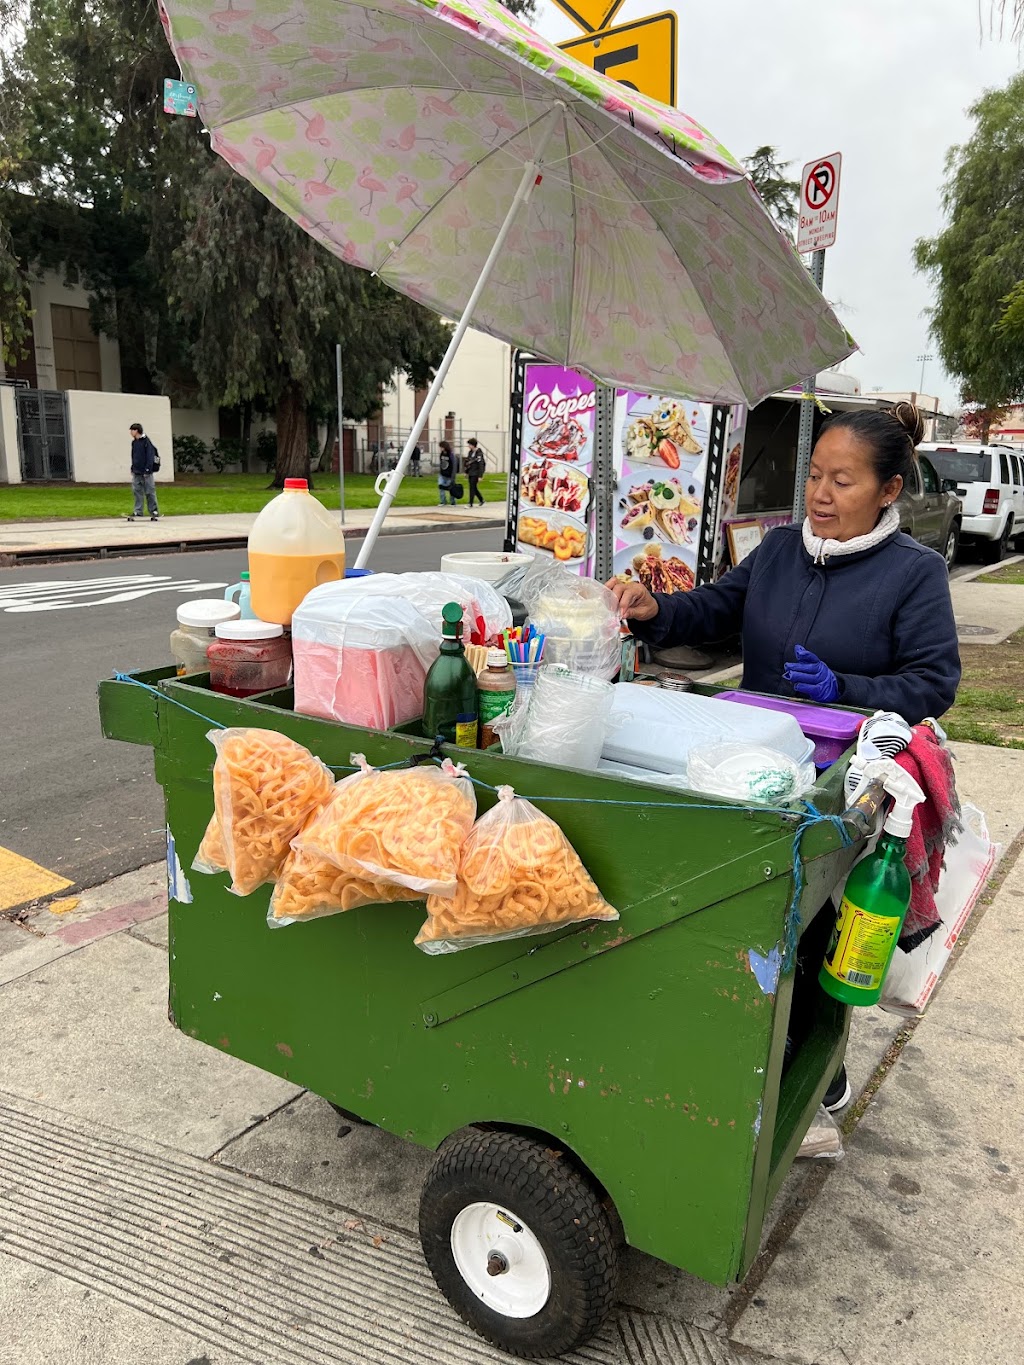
102 536
163 1203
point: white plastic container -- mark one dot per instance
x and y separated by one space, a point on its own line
295 544
655 728
197 621
490 565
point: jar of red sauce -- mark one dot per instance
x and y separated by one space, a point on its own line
248 657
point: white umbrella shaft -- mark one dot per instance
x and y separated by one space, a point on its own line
393 481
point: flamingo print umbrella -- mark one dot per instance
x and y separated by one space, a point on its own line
474 167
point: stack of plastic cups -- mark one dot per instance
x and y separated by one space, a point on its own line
525 652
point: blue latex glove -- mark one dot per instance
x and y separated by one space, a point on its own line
809 676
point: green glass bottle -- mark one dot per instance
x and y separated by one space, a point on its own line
449 693
876 898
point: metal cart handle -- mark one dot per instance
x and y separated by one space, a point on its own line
863 810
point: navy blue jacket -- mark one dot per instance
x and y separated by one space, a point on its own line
142 455
882 619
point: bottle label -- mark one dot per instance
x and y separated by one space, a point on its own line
494 704
861 945
466 731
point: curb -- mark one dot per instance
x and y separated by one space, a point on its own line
43 555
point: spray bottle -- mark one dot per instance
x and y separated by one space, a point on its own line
876 898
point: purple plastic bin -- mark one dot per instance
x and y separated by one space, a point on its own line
832 731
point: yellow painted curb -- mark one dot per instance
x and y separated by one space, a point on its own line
22 880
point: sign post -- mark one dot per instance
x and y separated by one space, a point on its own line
819 218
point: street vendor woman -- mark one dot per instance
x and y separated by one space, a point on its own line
845 609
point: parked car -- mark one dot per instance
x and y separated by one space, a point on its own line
989 480
930 513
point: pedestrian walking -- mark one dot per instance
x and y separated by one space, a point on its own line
145 463
476 464
415 458
447 468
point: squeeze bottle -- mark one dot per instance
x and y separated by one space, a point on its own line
495 693
449 692
294 545
876 898
240 593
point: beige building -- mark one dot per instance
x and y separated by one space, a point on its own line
63 416
938 425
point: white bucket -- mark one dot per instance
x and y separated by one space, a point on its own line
490 565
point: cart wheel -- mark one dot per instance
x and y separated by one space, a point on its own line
519 1242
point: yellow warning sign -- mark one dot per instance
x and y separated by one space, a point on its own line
640 55
590 15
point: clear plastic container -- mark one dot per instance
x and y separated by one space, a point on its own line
295 544
196 623
247 657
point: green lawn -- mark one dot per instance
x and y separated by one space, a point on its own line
193 494
989 706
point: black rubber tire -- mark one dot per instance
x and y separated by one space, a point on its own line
997 550
562 1210
952 545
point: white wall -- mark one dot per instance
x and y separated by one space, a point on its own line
52 289
101 444
10 457
476 390
201 422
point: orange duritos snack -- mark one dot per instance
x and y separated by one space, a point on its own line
265 787
310 887
212 855
403 827
518 875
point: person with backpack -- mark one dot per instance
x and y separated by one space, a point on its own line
447 468
145 463
476 464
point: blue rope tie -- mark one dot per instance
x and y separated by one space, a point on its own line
810 818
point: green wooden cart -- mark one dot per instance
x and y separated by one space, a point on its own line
611 1083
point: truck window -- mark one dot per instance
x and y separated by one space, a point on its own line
962 466
1015 461
1004 468
928 475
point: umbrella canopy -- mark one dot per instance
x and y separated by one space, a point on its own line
396 133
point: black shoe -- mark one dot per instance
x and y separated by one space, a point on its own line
839 1094
154 517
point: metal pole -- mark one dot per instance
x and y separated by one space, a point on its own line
341 431
924 359
603 484
805 440
388 484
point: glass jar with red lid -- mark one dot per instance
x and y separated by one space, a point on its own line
249 657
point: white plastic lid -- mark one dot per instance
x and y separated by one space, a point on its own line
248 630
497 658
208 612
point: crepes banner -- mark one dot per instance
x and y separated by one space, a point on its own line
660 455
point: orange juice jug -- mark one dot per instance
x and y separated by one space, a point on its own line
294 545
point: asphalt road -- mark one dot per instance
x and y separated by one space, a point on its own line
80 805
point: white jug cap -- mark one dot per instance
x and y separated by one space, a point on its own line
248 630
207 611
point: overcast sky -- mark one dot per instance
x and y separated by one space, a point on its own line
885 82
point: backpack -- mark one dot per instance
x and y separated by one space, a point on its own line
156 459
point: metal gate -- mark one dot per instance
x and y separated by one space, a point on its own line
43 434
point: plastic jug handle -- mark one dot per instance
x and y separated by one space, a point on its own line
234 593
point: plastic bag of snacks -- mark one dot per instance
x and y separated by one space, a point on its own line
405 826
265 787
310 887
518 875
212 855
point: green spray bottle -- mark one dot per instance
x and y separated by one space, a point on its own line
875 901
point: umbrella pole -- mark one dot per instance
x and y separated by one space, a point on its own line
388 484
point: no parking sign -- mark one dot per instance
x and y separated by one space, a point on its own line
819 203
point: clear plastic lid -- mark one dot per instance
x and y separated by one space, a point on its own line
248 630
207 612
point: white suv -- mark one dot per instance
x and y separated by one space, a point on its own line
989 480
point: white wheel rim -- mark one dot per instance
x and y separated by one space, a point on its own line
490 1234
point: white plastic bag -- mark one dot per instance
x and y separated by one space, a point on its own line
823 1141
749 773
578 617
912 977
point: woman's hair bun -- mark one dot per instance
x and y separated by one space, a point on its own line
911 421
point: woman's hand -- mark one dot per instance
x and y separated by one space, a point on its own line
635 602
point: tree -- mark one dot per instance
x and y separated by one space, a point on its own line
999 15
780 196
978 258
1012 321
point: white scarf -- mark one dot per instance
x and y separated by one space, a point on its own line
821 549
